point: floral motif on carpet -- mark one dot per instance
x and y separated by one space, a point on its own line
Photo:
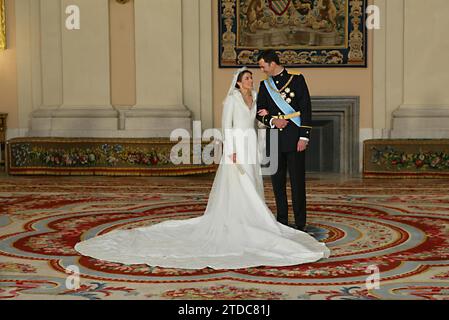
401 230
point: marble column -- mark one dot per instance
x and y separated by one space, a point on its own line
159 105
64 76
424 112
75 72
411 70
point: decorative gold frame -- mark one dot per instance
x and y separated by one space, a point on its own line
2 25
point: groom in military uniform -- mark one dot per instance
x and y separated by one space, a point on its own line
286 98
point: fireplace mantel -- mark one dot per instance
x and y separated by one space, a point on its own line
334 145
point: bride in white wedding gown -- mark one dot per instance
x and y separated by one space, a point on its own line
237 230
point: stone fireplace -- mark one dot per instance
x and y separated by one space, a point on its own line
334 145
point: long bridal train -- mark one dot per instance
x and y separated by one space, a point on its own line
237 230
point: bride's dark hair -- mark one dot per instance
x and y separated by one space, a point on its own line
240 77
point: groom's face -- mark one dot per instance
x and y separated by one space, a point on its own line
267 68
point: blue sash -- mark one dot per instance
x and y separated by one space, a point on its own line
280 102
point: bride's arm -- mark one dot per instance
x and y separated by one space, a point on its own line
227 126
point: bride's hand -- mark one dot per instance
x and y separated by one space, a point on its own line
262 112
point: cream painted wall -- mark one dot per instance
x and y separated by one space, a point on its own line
321 81
123 62
406 73
65 78
159 53
410 95
86 56
426 48
8 69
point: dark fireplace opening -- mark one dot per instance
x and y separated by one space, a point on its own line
335 136
322 154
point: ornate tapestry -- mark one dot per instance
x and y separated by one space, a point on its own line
406 158
107 156
2 25
305 33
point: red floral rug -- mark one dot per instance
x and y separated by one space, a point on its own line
389 240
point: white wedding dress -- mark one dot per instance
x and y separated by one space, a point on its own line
237 230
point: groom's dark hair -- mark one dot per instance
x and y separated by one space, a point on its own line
269 56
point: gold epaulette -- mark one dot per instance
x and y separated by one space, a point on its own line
296 73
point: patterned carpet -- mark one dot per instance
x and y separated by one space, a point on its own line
398 227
